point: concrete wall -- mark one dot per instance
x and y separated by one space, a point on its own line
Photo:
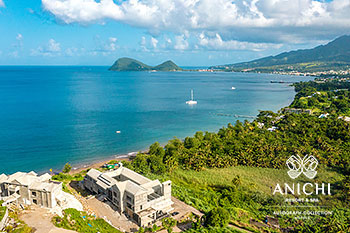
166 189
4 219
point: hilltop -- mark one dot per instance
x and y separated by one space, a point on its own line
129 64
334 55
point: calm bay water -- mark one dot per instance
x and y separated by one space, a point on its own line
53 115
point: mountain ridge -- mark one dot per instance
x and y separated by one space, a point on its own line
129 64
333 54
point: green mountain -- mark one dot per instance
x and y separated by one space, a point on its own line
334 55
167 66
128 64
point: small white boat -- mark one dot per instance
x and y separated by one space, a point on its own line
233 88
191 102
117 131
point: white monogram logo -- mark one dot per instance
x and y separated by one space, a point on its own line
297 165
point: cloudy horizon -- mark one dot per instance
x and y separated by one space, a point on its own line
189 32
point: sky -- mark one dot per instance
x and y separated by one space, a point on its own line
189 32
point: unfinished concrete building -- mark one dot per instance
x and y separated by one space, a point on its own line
29 188
138 197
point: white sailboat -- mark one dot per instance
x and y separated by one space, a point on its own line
191 102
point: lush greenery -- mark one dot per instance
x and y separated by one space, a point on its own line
66 179
229 175
67 168
251 144
259 150
244 191
82 222
330 97
2 210
168 224
128 64
218 217
333 56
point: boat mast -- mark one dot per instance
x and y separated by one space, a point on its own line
191 94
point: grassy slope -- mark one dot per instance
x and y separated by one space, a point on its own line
206 189
259 179
2 212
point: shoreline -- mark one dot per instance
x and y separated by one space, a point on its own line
99 163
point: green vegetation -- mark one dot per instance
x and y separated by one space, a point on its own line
249 144
237 167
18 226
67 168
128 64
248 199
218 217
167 66
82 222
2 210
332 56
154 228
168 224
331 97
66 179
230 175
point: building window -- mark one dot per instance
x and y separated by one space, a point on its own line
129 206
35 201
34 194
140 207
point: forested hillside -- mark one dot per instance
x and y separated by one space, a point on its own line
264 143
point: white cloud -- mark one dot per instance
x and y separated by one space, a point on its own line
143 44
103 47
52 48
147 45
2 4
19 37
111 46
216 43
72 51
242 20
181 43
154 42
19 42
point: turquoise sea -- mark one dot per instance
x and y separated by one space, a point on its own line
53 115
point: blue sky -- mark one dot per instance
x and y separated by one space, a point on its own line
189 32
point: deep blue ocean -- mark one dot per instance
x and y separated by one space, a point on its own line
53 115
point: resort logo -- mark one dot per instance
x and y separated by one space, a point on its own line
298 166
306 166
305 194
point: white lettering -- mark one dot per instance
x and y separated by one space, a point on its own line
304 188
287 187
277 189
320 189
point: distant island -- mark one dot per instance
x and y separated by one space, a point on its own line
129 64
333 56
